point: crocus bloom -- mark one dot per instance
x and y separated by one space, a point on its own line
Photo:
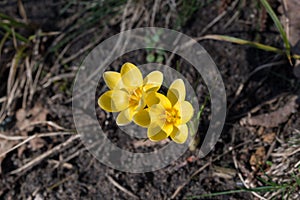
127 91
166 116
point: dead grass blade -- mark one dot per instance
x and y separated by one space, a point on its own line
22 10
3 40
241 42
178 190
279 27
41 157
116 184
28 139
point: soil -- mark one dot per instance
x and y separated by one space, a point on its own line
241 154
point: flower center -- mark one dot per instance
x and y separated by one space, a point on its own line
135 97
172 116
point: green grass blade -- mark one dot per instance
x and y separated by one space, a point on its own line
258 189
243 42
12 22
8 29
278 26
6 35
202 108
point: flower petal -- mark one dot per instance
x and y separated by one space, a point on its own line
168 128
153 81
124 117
155 133
113 80
141 105
180 134
186 111
153 98
142 118
176 91
157 114
131 76
114 100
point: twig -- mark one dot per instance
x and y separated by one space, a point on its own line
241 177
190 178
18 145
50 134
60 163
235 162
67 47
218 18
27 139
57 78
72 176
49 123
22 10
203 167
156 2
242 85
230 21
286 154
3 99
38 159
83 50
115 183
105 62
286 16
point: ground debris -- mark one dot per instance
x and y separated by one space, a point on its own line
272 119
4 146
257 159
25 119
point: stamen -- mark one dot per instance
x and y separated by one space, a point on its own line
135 96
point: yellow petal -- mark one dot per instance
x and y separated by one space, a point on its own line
180 134
114 101
176 91
153 81
113 80
167 128
131 76
153 98
155 133
124 117
142 118
141 105
186 111
157 114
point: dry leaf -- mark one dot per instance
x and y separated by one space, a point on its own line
290 18
25 118
292 13
269 137
258 157
273 119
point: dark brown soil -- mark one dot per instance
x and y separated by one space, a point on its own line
73 173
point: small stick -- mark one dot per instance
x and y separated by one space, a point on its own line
115 183
218 18
17 146
41 157
49 123
204 167
50 134
241 177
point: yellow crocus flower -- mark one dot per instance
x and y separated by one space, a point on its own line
127 91
166 116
